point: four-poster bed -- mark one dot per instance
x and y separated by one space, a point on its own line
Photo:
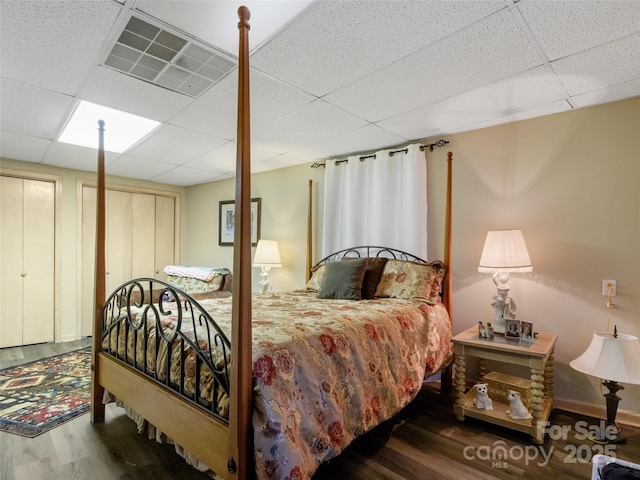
236 381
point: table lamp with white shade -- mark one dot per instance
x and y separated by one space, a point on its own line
504 252
614 358
267 256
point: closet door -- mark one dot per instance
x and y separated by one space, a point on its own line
38 262
27 261
140 242
11 261
143 235
119 238
165 235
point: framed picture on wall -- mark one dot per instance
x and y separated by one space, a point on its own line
227 218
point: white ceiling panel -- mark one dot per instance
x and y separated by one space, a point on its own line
32 110
136 167
185 176
608 94
115 90
593 23
341 77
78 158
610 64
348 32
539 111
538 86
474 57
313 122
22 147
369 137
215 21
216 111
171 144
52 44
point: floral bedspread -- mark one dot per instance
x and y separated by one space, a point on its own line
326 371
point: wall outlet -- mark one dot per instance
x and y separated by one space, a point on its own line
605 287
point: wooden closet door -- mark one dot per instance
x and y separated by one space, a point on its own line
143 249
38 262
27 261
119 238
165 235
11 261
88 259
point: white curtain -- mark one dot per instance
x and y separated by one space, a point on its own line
380 202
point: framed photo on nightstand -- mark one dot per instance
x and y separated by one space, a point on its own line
512 329
526 332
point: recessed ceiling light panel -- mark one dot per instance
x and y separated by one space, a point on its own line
122 129
154 54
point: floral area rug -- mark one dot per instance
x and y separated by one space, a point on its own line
38 396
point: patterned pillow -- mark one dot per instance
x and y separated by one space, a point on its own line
193 285
404 279
375 266
313 285
343 280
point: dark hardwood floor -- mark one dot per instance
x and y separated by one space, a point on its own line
424 441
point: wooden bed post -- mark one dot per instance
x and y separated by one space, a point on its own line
97 392
309 232
240 463
446 380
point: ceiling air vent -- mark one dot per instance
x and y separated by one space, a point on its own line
163 58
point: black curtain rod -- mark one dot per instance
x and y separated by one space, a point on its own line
439 143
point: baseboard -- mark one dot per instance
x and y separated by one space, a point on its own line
625 417
68 338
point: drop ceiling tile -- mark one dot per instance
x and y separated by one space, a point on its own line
483 53
312 123
279 161
184 176
369 137
592 23
610 94
53 44
215 112
32 110
558 106
171 144
610 64
223 159
360 37
136 167
534 87
113 89
78 158
22 147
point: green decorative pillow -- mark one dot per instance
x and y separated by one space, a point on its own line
404 279
343 280
375 266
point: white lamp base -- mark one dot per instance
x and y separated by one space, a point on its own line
265 284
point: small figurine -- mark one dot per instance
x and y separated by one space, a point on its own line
517 410
489 330
482 331
482 399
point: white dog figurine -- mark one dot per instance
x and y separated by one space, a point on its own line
517 410
482 399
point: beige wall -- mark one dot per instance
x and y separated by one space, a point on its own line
69 228
284 195
570 181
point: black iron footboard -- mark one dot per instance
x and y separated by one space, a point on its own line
164 334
